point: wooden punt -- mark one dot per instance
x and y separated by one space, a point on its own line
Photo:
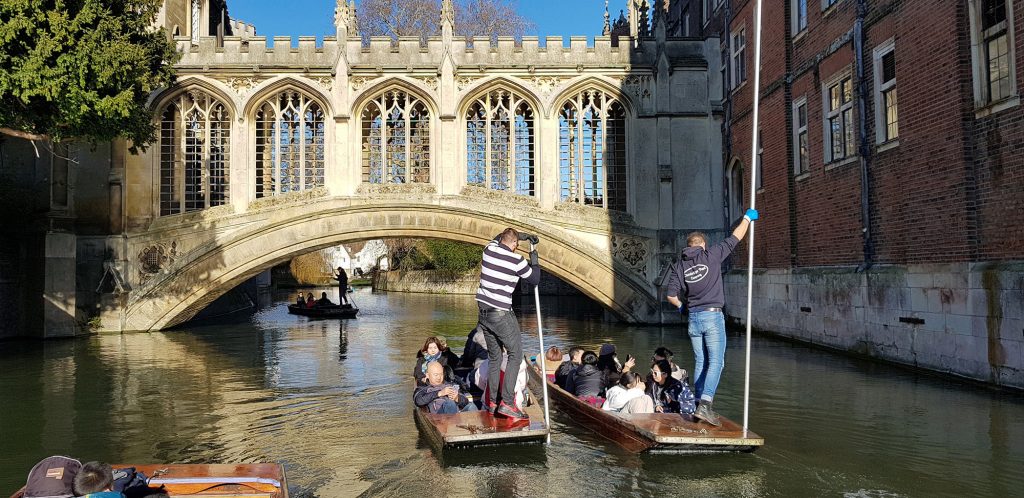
334 311
480 428
257 480
654 432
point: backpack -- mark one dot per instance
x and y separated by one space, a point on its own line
53 477
687 403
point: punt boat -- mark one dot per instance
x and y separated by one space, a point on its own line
333 311
480 427
653 432
259 480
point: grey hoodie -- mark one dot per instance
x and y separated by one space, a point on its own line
698 275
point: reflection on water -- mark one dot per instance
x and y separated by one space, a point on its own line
331 400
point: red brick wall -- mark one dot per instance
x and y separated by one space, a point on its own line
951 189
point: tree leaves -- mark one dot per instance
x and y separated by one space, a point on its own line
81 69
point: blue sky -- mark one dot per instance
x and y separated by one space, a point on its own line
316 17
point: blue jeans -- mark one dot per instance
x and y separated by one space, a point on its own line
707 334
450 406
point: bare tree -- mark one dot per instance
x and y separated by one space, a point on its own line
394 18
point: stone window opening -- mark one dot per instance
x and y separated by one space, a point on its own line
290 149
195 144
592 150
395 139
801 152
886 110
839 126
738 48
500 143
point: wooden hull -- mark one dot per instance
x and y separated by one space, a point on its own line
654 432
480 428
260 480
332 312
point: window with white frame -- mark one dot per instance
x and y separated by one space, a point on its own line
801 161
759 177
992 36
886 115
738 60
725 71
839 126
799 14
828 3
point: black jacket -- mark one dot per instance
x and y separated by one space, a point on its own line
444 360
666 396
426 395
563 372
587 381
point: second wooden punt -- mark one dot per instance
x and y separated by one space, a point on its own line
653 432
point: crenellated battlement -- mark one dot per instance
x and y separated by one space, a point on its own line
412 52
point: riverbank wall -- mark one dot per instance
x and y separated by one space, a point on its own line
965 319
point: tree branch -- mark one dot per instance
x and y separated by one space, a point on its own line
23 134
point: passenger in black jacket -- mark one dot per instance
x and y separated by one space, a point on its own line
433 350
440 396
568 366
587 380
665 389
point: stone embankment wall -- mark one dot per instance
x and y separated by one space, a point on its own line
426 281
965 319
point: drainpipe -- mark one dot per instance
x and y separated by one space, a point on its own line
865 143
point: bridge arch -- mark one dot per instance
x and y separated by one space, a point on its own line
211 270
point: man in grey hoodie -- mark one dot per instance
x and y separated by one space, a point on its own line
698 276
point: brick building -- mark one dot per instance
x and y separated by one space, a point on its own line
891 136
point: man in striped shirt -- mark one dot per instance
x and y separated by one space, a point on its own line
501 269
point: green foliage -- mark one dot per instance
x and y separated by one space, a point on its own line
413 259
452 257
82 68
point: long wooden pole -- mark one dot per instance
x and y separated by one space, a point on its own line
753 202
542 355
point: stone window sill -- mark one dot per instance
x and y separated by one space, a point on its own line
994 107
736 89
800 36
884 146
802 176
841 162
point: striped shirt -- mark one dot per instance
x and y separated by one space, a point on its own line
500 271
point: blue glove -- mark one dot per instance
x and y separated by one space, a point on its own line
751 215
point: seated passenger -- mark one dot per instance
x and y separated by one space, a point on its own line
629 388
552 359
587 379
323 301
440 396
431 351
95 480
670 395
475 351
301 301
663 353
310 302
608 364
479 378
568 366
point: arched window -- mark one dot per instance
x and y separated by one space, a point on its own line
289 144
195 140
592 150
500 143
396 139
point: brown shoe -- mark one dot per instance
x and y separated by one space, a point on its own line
706 414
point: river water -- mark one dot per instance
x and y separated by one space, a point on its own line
332 401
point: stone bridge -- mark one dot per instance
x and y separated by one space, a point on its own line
608 148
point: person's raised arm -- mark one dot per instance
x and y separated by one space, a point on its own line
741 230
673 288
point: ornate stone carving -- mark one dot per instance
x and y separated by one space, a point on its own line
156 257
499 196
430 81
547 84
326 82
638 85
358 82
630 250
464 82
242 85
397 188
291 197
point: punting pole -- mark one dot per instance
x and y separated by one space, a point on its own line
543 367
753 200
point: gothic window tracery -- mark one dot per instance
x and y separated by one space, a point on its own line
500 133
592 150
195 142
395 139
290 151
